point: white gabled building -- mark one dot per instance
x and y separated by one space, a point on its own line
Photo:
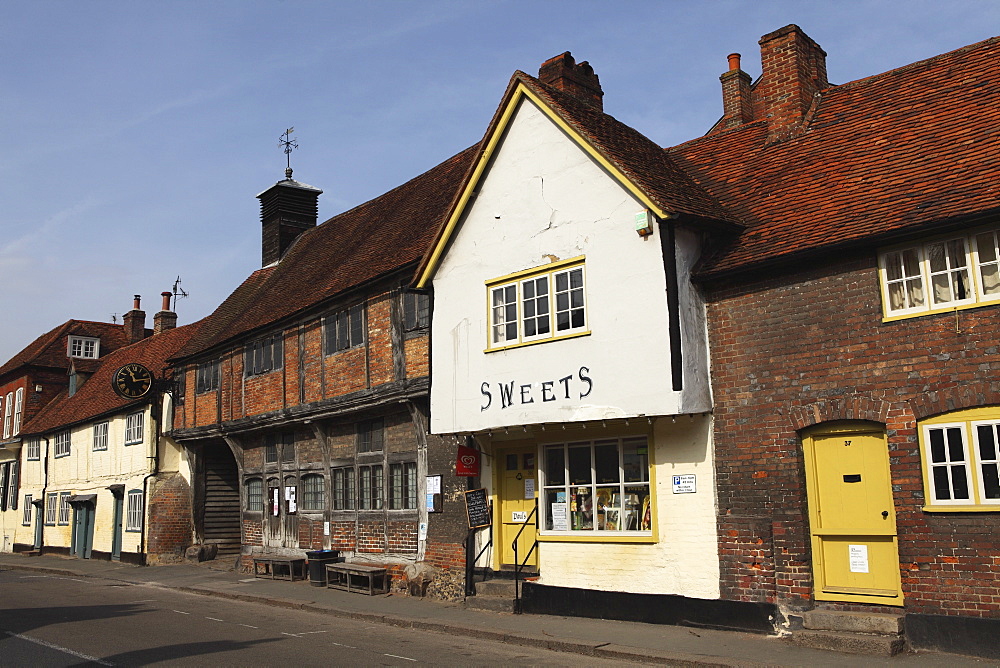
569 346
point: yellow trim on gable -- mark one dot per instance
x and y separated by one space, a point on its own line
520 92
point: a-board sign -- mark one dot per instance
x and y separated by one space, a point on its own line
477 508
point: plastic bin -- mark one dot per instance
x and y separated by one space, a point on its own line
318 559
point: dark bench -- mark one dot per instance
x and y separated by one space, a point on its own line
280 568
340 576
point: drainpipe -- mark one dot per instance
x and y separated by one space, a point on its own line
154 456
45 487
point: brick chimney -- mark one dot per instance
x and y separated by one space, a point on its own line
164 319
793 72
135 322
577 79
287 209
737 103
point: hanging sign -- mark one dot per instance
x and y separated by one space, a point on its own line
467 462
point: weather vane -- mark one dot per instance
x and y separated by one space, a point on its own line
287 142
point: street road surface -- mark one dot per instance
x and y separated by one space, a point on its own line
50 620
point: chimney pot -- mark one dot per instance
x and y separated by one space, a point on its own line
734 61
135 301
166 300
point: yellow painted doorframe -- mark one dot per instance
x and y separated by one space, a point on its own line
852 517
519 448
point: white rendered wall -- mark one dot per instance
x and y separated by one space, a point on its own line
544 199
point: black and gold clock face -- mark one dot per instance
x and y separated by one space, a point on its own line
132 381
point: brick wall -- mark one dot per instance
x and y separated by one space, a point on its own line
170 527
793 351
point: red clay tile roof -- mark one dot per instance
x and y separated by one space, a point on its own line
49 349
641 159
371 240
95 397
883 155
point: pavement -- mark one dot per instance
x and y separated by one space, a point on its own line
630 642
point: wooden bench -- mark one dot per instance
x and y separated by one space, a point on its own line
280 568
340 575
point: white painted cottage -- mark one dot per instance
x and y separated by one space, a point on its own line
569 346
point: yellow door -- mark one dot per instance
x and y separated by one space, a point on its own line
855 555
517 501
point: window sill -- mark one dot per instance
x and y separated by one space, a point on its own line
984 508
598 537
535 342
939 310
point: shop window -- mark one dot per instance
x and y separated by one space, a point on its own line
345 329
134 428
207 376
960 453
957 271
313 497
537 305
255 495
403 486
133 511
100 436
263 355
597 487
416 311
61 444
371 435
343 488
370 487
64 507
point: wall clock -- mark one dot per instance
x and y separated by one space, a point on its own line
132 381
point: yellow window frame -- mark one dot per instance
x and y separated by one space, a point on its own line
517 278
965 419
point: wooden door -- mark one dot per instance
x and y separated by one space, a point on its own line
853 520
518 491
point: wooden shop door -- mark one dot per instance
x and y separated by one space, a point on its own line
517 478
852 517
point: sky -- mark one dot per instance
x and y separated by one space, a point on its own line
138 133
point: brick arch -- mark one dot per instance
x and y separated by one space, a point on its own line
972 395
852 407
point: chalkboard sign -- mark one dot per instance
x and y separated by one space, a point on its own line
477 508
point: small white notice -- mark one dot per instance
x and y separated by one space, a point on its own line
422 531
558 514
859 558
433 484
529 488
326 528
519 516
684 484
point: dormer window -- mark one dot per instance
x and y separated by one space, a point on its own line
84 347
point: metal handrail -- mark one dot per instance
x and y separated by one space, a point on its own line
519 565
470 566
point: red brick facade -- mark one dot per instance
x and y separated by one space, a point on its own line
169 532
808 348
